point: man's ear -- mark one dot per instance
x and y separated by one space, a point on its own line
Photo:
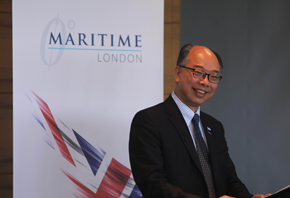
177 71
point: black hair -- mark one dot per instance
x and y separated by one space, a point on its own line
183 54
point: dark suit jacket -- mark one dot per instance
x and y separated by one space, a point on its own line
164 161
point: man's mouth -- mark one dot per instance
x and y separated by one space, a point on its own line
199 91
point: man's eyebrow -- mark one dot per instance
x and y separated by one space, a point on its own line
201 67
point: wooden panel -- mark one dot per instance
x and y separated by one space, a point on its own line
175 42
6 193
168 61
5 80
167 11
175 12
5 25
171 47
6 54
6 185
171 11
171 43
170 84
6 161
6 6
5 106
5 136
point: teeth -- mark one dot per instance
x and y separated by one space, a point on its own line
199 91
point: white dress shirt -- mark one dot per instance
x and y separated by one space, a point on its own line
188 114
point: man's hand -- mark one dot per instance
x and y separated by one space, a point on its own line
225 196
261 196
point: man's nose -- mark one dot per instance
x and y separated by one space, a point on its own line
205 80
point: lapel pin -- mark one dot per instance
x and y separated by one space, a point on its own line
209 129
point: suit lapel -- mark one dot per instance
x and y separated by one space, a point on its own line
177 120
180 125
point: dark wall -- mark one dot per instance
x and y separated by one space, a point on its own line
253 98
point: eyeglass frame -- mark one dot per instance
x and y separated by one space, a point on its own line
203 77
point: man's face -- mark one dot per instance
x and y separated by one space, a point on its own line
190 90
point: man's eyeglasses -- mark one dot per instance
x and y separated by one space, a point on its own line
199 74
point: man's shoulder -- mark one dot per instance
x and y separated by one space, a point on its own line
209 121
153 110
159 110
208 117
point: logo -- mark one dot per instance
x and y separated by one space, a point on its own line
110 47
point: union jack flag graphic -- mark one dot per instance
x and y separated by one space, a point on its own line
116 179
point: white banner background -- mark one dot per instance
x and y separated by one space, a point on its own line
93 89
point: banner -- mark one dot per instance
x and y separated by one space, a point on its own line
81 70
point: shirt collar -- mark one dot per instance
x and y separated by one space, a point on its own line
186 112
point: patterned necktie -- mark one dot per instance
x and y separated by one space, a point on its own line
203 157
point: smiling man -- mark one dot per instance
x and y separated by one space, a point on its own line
175 149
